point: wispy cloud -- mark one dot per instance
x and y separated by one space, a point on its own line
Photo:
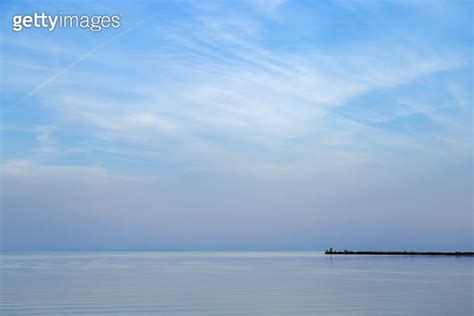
243 93
59 73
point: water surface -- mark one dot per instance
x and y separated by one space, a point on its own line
233 283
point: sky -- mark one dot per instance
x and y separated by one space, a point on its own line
239 125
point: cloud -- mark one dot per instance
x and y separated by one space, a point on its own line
62 71
268 6
257 99
46 142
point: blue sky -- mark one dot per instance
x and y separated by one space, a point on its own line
239 125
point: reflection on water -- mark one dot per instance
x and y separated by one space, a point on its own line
233 283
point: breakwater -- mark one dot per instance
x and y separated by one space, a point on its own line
398 253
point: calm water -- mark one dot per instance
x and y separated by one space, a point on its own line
233 283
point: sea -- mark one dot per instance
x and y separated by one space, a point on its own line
233 283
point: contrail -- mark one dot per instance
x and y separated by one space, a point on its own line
68 67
